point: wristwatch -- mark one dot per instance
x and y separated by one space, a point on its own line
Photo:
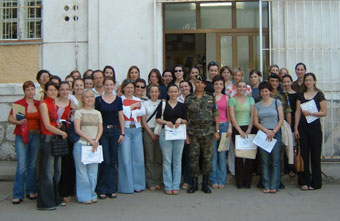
217 131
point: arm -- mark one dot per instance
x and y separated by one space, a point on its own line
148 129
289 118
121 123
234 121
297 119
217 121
321 113
94 143
230 127
46 121
12 120
252 113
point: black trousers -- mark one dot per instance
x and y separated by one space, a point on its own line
243 166
68 174
310 144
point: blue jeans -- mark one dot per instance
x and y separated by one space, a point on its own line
26 167
107 169
86 176
172 161
271 177
218 174
131 170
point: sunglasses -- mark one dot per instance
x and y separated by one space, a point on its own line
178 71
143 87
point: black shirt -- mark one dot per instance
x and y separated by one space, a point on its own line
172 114
317 98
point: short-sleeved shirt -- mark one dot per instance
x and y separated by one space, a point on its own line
268 115
109 111
284 100
171 114
242 112
150 108
317 98
298 88
89 122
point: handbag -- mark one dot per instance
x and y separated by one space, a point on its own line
298 163
59 146
72 136
158 127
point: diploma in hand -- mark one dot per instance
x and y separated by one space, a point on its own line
179 133
87 156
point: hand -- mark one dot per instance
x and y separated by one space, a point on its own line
270 135
154 137
59 125
64 135
72 105
169 124
178 122
20 122
297 135
136 105
121 139
187 141
229 132
306 113
243 134
217 136
94 144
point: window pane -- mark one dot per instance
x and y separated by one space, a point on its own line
32 28
180 16
216 15
226 51
247 14
243 54
9 19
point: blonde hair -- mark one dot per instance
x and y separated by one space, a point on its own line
238 69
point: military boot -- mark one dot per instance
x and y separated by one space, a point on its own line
194 185
205 184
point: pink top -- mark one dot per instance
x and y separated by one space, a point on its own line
222 108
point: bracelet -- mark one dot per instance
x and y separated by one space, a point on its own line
122 135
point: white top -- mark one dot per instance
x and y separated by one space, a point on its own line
150 108
133 113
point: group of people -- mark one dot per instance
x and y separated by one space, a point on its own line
131 122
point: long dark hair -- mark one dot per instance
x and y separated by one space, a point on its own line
314 78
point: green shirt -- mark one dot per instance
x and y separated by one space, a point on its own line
242 112
283 98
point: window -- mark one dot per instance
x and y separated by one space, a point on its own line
20 19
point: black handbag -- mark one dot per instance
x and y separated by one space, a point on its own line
59 146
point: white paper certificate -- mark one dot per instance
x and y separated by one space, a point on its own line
261 141
87 156
311 107
179 133
245 143
224 142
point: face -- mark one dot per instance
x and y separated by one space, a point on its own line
89 98
78 87
237 76
242 88
199 85
173 93
140 88
274 83
185 88
153 78
287 83
213 70
109 86
108 72
76 75
29 92
64 90
55 81
88 83
218 86
274 70
98 79
70 81
300 71
226 74
194 72
52 92
134 74
254 79
167 78
154 93
282 73
129 89
265 93
309 82
44 78
179 73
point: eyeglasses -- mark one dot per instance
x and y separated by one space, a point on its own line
128 81
143 87
178 71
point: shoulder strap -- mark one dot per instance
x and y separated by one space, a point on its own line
163 108
276 109
153 114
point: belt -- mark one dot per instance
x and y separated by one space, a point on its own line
33 131
132 125
112 126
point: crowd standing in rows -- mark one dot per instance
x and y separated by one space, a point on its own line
123 119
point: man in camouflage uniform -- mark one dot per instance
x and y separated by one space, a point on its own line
201 110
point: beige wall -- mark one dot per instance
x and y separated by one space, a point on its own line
19 63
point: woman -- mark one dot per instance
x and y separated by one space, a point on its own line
299 85
283 72
174 115
241 112
155 77
186 89
168 77
89 126
218 172
310 134
69 79
194 71
76 97
255 79
274 68
226 73
109 71
56 79
213 72
67 178
75 74
152 151
140 89
27 152
238 76
131 172
88 73
269 118
43 76
180 74
133 73
88 82
111 109
50 166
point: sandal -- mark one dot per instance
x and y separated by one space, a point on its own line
273 191
214 186
168 192
292 174
102 196
153 188
175 192
266 190
304 187
221 186
16 201
311 188
31 196
112 196
158 187
185 186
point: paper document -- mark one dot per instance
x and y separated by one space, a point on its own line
245 143
87 156
311 107
179 133
18 110
261 141
224 142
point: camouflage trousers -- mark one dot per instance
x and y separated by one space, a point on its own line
200 147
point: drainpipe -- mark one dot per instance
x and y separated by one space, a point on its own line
155 32
261 35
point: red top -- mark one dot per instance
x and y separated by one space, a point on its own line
52 113
17 130
33 120
67 112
